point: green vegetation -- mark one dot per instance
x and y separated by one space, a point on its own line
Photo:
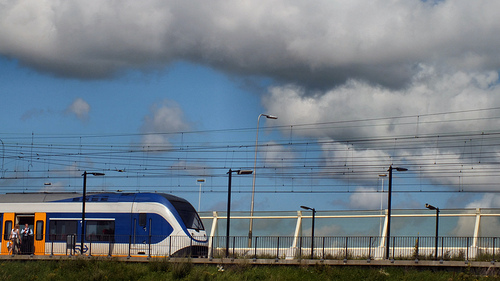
95 269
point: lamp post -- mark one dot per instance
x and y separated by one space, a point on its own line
382 176
199 181
84 199
389 195
430 207
312 231
230 172
268 116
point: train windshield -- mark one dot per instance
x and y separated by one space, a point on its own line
187 212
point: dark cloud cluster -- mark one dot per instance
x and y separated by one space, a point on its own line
318 45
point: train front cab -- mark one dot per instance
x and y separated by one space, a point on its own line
36 222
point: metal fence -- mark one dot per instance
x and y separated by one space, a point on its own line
287 247
356 248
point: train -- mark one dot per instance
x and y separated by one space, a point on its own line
114 224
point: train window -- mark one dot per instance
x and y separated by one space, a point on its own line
100 230
39 230
8 228
142 219
188 214
60 229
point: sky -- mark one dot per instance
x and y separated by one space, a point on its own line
159 94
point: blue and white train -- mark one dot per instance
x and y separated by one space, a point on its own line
116 224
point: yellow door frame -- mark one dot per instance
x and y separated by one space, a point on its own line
6 232
39 230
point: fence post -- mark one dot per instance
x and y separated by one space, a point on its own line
170 246
90 246
52 248
346 248
393 247
493 257
211 250
278 249
109 245
370 249
149 246
442 249
234 243
129 245
323 256
255 254
467 257
300 248
191 247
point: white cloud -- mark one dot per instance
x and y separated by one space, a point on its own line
166 118
80 108
274 155
155 143
487 201
366 198
357 100
429 92
465 225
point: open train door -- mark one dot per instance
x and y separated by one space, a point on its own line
39 233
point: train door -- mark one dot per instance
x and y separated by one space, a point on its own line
27 242
39 233
141 239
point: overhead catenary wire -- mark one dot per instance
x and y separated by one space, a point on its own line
310 162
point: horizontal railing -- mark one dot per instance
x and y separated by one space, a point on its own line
282 247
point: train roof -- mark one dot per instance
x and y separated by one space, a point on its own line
91 197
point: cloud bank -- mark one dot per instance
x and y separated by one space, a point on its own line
317 46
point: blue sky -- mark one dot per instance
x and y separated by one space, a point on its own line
356 87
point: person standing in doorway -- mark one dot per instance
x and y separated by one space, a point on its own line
26 245
14 238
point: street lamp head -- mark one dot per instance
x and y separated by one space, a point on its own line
200 180
93 173
270 116
430 207
240 172
307 208
399 169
